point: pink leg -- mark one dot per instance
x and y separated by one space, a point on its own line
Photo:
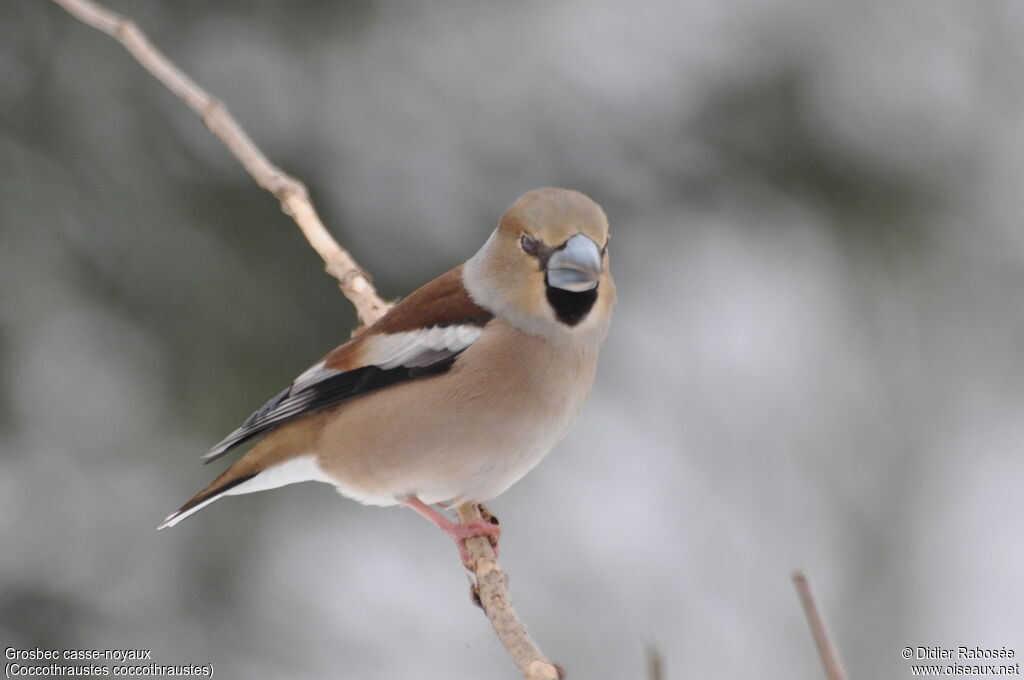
458 532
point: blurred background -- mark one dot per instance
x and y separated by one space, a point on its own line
817 360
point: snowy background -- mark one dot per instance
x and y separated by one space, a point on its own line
817 359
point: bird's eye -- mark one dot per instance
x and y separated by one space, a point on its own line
529 244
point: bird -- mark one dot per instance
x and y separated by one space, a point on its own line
459 390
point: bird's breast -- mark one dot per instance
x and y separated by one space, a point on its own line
466 435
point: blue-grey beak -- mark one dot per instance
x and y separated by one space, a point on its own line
576 267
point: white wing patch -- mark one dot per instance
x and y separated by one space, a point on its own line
411 349
418 348
312 376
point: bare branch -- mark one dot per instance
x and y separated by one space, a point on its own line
829 656
491 581
292 193
492 589
655 664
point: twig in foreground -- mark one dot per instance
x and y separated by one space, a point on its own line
354 283
829 656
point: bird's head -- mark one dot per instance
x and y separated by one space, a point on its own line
545 268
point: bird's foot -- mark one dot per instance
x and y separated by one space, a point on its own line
460 533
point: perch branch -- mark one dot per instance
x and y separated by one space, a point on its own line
492 590
292 193
655 664
823 641
491 581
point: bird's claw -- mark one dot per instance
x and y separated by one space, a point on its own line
460 533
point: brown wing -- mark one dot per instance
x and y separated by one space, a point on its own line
422 335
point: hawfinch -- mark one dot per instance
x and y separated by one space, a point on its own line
459 390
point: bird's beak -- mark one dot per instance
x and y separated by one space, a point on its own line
576 266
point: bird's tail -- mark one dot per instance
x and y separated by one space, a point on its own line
265 466
221 486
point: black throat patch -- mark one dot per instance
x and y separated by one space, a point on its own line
571 308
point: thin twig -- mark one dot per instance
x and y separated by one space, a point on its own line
655 664
353 281
829 656
492 590
292 193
